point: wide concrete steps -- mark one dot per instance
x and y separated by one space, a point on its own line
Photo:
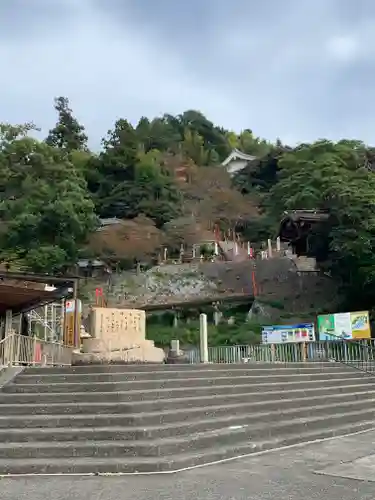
139 418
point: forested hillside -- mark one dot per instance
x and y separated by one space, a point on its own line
163 178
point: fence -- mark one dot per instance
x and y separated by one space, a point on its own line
360 354
18 349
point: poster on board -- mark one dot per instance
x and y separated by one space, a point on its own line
280 334
344 326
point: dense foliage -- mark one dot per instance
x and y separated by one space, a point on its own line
166 171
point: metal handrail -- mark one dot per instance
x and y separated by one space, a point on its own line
18 350
359 354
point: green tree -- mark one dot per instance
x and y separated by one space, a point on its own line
163 134
193 148
151 192
214 138
44 204
250 144
114 166
334 177
261 174
68 134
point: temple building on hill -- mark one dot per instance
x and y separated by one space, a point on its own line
236 161
296 227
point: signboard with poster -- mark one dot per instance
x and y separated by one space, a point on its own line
280 334
344 326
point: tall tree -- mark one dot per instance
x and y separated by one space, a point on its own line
114 165
44 204
68 134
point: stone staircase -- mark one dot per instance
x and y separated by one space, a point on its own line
146 418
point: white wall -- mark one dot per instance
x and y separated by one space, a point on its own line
236 165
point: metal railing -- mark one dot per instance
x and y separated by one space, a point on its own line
251 353
18 350
359 354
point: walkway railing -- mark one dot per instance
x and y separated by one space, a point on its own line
360 354
18 350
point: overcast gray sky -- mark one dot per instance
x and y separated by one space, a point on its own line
294 69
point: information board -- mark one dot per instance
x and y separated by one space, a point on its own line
280 334
344 326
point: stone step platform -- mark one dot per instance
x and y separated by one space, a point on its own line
123 431
172 388
172 398
55 421
161 418
225 436
170 383
126 374
131 465
152 367
10 407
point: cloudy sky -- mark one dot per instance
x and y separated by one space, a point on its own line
294 69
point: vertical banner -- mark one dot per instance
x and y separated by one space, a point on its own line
69 337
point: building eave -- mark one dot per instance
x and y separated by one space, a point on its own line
237 154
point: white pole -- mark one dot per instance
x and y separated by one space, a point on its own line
203 338
269 248
248 248
8 322
236 248
278 244
216 248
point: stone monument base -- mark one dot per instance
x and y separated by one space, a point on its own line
100 351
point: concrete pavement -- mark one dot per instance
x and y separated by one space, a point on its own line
290 474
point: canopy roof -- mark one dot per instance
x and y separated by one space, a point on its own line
22 292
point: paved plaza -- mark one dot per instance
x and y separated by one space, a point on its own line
337 469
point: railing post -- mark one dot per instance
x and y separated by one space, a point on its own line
273 353
12 339
33 360
18 349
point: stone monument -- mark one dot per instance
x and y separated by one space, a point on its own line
119 335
